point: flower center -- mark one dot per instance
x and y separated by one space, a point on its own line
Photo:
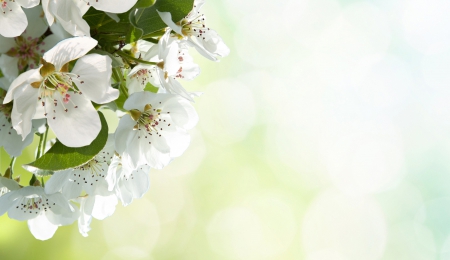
148 120
89 173
34 205
142 76
56 82
27 51
195 27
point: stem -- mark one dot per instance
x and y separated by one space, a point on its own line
11 166
45 139
38 154
117 75
123 54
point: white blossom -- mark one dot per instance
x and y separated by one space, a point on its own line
194 31
70 12
10 140
128 183
25 51
43 212
155 130
13 20
173 62
64 97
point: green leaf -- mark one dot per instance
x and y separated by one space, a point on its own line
149 21
149 87
1 74
134 33
61 157
144 3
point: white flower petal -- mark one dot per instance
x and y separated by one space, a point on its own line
48 14
104 206
56 181
77 126
69 49
12 142
24 78
201 50
37 25
13 21
167 19
8 66
214 44
124 194
178 142
5 203
6 44
41 227
95 72
113 6
62 216
24 109
182 112
156 159
140 183
49 42
71 189
84 221
10 184
122 136
69 14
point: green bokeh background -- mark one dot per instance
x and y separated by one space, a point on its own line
323 136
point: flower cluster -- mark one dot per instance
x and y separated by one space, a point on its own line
59 68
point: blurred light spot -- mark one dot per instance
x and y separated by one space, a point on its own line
236 232
270 93
435 215
386 86
445 251
127 253
409 241
136 225
436 92
435 73
238 9
360 33
167 194
425 25
353 227
263 227
227 111
326 254
365 158
261 41
307 20
401 203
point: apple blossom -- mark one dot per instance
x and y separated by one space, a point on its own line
155 130
12 18
43 212
193 30
64 97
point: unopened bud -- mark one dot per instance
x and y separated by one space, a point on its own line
7 173
37 183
